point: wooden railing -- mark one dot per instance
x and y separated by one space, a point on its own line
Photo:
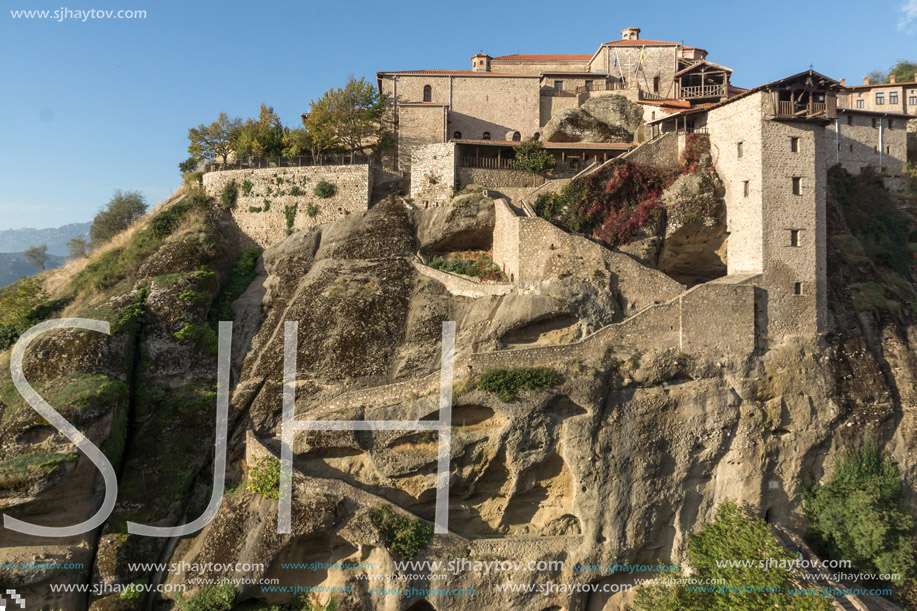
601 87
494 163
703 91
554 93
796 110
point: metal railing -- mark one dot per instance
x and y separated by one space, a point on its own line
254 163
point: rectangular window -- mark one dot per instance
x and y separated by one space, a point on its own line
849 119
891 124
745 188
738 149
880 99
558 85
874 124
797 288
860 104
892 97
851 148
797 185
794 144
588 85
912 100
888 150
794 237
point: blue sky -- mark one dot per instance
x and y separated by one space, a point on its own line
89 107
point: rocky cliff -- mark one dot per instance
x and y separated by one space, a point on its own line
615 460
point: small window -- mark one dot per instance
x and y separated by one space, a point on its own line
794 237
794 144
588 85
738 149
849 119
427 93
860 104
558 85
891 124
517 136
888 150
655 84
745 188
892 97
851 148
880 99
797 185
912 100
797 288
486 136
457 136
874 124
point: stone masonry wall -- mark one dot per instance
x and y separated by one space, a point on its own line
497 178
432 174
660 153
464 286
275 188
858 144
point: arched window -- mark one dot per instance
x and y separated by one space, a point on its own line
486 136
427 93
537 136
457 136
517 136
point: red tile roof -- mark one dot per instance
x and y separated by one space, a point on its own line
522 57
455 73
639 43
555 145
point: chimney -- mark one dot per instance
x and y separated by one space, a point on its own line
891 79
630 34
915 77
843 82
865 80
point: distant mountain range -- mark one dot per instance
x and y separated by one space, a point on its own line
13 265
18 240
13 242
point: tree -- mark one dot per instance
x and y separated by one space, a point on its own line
296 141
37 256
207 142
904 72
758 561
533 158
261 137
188 165
122 210
351 117
79 248
858 514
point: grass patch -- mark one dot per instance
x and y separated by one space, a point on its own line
243 272
208 598
18 473
506 382
872 296
204 336
850 249
482 267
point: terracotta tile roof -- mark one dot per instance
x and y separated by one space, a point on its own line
455 73
881 85
522 57
639 43
555 145
669 102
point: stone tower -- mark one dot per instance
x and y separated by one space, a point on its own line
630 34
481 62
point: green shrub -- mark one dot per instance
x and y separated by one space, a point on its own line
297 191
482 267
264 478
289 212
247 187
132 316
506 382
266 205
858 514
324 189
243 272
204 337
311 211
254 209
230 194
194 297
403 537
18 308
208 598
134 591
733 535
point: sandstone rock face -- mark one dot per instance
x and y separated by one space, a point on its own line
617 462
610 118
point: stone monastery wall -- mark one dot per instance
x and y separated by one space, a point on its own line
260 213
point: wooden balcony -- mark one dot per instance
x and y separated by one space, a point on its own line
602 87
806 110
703 91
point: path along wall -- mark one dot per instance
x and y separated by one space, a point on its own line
265 195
